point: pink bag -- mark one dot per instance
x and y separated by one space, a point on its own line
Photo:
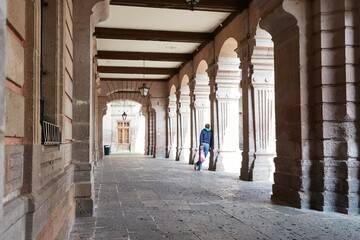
201 156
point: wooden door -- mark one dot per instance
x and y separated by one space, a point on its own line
124 136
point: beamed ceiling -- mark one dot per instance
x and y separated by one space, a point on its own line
150 41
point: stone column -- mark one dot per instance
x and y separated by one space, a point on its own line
3 10
102 101
227 98
354 140
178 126
148 132
214 151
159 113
248 155
83 105
151 126
185 134
144 112
152 132
193 121
172 127
201 109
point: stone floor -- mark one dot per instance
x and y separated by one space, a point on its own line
146 198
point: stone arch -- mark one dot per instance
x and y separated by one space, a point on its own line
202 67
227 49
172 90
124 135
129 95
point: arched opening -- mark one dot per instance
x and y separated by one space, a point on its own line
263 106
226 106
201 114
293 135
124 127
184 133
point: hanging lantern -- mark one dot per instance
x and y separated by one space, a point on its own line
144 90
192 3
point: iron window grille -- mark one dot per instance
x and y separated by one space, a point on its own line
51 134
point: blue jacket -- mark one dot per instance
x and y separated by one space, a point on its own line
205 136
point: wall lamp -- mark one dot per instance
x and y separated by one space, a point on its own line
124 116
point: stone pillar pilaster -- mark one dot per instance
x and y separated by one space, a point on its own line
172 127
336 84
3 10
293 98
201 110
185 133
144 112
83 102
227 99
178 126
102 101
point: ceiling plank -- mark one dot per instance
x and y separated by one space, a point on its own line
134 79
137 70
203 5
152 35
151 56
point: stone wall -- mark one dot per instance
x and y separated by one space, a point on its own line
38 197
3 12
13 224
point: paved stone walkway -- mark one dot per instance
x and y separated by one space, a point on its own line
146 198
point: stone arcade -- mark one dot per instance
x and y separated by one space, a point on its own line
279 84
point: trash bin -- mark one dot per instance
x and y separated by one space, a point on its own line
106 149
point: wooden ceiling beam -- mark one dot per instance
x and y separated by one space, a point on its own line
152 35
203 5
134 79
151 56
137 70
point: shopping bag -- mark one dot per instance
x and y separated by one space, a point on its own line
201 156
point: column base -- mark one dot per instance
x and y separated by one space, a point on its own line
184 155
228 161
172 154
264 167
84 207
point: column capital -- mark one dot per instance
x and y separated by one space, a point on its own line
228 78
246 48
212 71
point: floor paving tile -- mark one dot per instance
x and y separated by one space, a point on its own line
146 198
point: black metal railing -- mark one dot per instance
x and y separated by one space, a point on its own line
51 134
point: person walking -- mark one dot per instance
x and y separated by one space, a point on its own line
205 144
